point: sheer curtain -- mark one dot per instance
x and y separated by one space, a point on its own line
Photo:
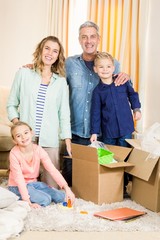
58 21
64 19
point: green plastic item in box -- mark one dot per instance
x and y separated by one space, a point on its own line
104 156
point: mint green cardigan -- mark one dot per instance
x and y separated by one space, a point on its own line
56 117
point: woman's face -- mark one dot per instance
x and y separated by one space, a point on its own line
50 53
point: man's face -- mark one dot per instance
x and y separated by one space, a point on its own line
89 40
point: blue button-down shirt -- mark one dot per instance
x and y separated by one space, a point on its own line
81 81
111 109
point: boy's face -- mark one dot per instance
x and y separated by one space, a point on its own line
22 135
104 68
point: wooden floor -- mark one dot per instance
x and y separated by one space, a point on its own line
90 236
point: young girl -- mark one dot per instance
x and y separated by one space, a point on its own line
25 159
39 97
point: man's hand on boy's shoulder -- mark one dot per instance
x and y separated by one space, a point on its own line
121 78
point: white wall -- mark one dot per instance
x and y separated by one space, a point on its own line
23 23
152 94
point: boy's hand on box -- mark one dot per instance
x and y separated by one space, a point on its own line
93 138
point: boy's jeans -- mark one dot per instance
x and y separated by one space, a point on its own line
41 193
117 141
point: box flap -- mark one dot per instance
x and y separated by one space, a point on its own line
90 154
118 165
120 153
143 164
84 152
136 143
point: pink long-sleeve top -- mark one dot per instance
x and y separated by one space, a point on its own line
22 172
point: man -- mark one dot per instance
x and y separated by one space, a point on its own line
82 80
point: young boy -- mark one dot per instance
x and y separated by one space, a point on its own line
25 159
111 113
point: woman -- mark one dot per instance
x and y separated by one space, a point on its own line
39 96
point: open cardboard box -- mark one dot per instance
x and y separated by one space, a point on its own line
146 177
94 182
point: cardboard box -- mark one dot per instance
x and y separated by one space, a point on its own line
94 182
146 177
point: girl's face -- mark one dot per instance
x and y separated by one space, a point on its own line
22 135
50 53
104 68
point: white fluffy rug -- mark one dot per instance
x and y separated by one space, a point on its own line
57 218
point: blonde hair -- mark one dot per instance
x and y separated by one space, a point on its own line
103 55
58 66
17 124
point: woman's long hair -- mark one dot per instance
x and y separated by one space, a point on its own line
58 66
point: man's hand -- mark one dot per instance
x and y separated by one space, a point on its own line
28 66
121 79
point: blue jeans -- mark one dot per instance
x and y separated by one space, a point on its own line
117 141
41 193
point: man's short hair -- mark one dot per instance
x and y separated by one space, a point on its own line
89 24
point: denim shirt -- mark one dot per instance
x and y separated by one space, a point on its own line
81 81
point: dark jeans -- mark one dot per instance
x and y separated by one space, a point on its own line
67 162
118 141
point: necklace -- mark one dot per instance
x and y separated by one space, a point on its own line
46 78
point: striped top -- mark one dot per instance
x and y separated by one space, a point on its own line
40 107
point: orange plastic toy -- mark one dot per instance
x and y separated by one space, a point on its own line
69 205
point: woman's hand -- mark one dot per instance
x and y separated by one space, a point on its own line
68 146
15 120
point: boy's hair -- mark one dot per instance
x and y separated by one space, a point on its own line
19 123
89 24
103 55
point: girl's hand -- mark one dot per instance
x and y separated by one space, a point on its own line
69 194
34 205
